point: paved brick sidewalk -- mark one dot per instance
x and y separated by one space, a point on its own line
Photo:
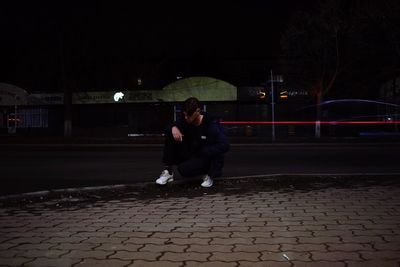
324 227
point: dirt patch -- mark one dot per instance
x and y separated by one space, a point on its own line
77 199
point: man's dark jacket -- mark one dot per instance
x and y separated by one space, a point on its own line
206 140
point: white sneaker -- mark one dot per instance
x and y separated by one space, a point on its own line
207 181
165 177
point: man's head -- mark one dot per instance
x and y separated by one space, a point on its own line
191 111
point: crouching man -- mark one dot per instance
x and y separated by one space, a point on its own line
196 145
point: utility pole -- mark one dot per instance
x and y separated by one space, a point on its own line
64 84
273 108
15 113
278 79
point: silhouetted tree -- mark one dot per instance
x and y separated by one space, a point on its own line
312 46
337 40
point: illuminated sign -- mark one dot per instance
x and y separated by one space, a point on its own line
262 94
118 96
283 94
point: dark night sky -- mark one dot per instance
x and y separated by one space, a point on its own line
108 45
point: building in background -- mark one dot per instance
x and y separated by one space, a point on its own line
123 113
109 113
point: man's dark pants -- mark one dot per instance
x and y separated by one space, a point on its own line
189 162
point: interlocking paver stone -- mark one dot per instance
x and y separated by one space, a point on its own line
101 240
5 246
286 256
373 263
318 264
277 240
211 234
232 241
10 253
235 256
139 255
46 262
35 253
67 239
318 240
163 248
335 256
81 254
41 246
341 233
194 256
256 248
210 264
28 240
210 248
141 241
188 241
387 246
141 263
264 264
363 239
382 255
303 247
102 263
14 261
170 235
131 234
392 238
291 234
323 227
353 247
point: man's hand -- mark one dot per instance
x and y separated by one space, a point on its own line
178 136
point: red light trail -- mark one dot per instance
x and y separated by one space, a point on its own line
307 122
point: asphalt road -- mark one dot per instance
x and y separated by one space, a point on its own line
27 168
